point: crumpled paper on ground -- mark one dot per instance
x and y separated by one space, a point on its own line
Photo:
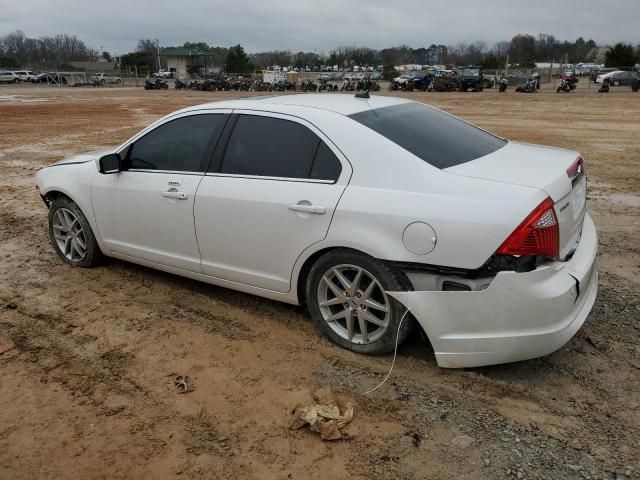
326 417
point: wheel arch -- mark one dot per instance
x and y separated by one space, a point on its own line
307 264
86 207
50 196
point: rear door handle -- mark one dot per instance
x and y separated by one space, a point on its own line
315 209
175 194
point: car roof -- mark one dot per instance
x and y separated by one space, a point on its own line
343 104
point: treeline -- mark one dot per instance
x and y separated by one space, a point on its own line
18 50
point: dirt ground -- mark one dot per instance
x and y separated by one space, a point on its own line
88 357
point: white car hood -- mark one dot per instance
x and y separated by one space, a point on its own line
523 164
82 158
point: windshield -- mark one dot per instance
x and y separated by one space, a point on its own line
468 72
436 137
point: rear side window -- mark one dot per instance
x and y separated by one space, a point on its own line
270 147
178 145
326 166
434 136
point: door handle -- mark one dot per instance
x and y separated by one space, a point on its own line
175 194
301 207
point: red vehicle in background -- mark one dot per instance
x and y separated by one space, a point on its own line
600 71
568 82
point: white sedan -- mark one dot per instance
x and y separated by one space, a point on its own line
360 208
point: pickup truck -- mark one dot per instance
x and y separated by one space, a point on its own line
163 73
103 78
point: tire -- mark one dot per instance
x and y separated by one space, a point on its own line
379 338
64 213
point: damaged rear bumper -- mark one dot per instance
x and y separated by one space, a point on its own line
519 316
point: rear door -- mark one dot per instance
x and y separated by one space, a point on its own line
146 211
270 195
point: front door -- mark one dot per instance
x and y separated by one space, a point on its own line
146 210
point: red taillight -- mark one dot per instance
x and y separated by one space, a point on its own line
576 167
538 234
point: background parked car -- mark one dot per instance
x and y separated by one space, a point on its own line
24 75
8 77
104 78
618 78
600 71
47 77
163 73
420 81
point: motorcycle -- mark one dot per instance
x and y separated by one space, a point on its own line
308 86
529 85
180 85
157 84
567 83
348 86
635 85
325 85
605 86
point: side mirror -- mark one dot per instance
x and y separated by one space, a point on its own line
111 163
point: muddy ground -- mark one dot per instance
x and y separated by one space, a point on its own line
89 356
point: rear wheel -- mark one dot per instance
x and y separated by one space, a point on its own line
347 299
71 234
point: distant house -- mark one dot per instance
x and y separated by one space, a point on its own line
93 67
187 63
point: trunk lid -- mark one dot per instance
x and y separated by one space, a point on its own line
539 167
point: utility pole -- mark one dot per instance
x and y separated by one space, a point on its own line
506 67
158 48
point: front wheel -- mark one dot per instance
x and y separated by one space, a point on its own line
71 234
347 299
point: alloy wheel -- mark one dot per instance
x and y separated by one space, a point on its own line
354 304
69 235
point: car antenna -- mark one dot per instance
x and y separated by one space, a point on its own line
364 94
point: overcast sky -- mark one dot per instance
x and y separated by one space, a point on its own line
319 25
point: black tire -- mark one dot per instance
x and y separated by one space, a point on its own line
389 279
93 255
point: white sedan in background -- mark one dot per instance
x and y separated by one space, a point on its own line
359 208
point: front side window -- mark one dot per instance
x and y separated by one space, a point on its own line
438 138
178 145
270 147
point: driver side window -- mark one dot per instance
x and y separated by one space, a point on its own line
179 145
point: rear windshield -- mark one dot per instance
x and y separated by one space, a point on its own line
434 136
471 71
